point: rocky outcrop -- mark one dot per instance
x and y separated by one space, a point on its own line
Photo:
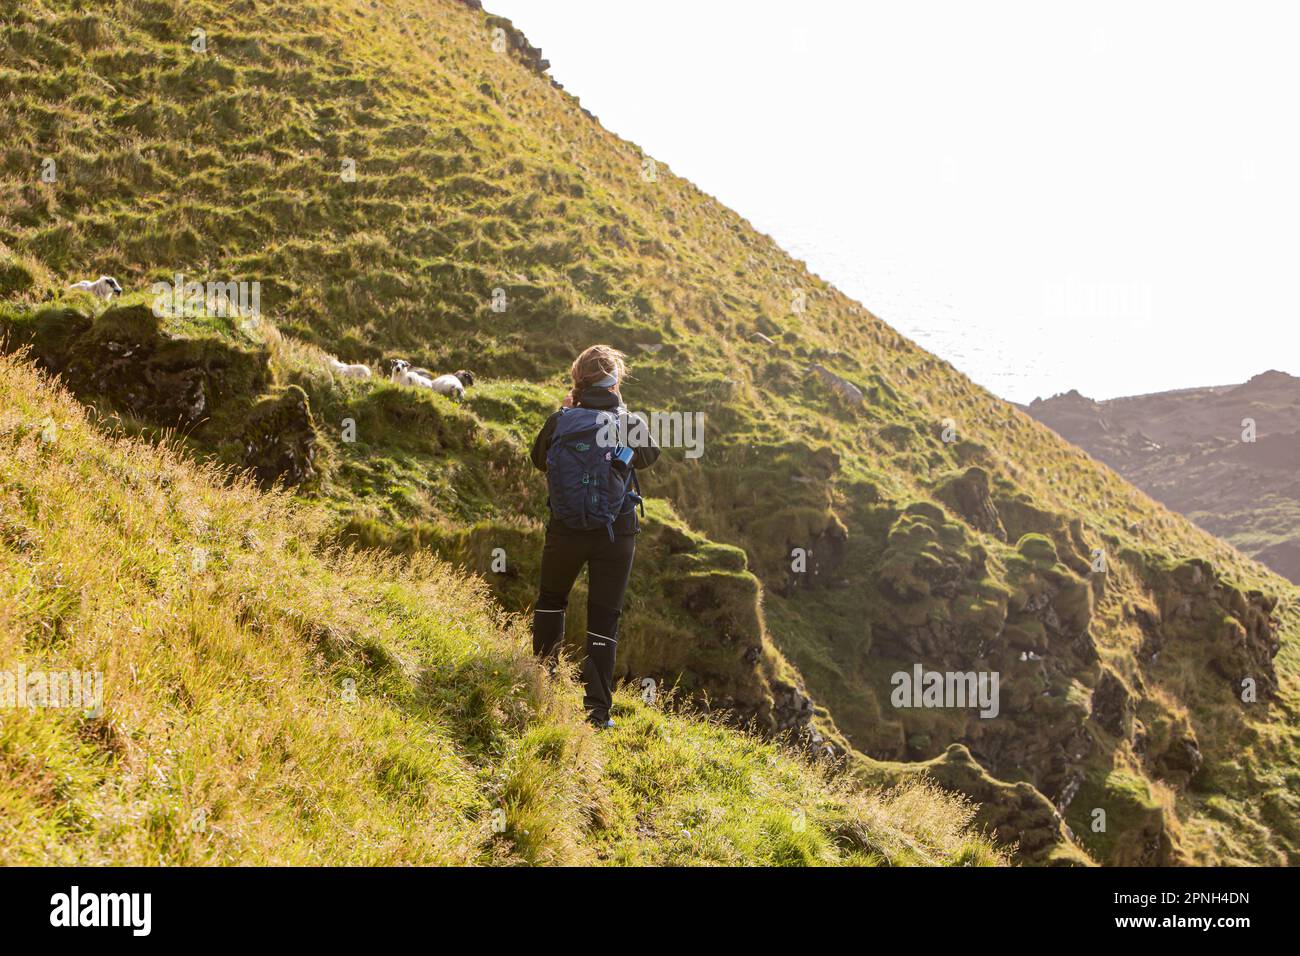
947 616
123 356
729 666
1199 612
527 54
124 361
926 556
279 439
969 496
822 557
1180 760
732 660
839 385
1015 814
1112 706
1121 821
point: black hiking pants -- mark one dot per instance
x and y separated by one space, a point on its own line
609 564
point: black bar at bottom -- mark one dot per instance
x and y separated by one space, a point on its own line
337 906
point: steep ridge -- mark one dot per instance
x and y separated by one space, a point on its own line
402 179
1226 457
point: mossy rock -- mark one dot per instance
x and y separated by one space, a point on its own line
124 359
1039 550
1134 823
279 439
50 333
926 555
967 494
1012 813
1074 604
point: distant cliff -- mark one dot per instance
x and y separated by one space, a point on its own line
1227 457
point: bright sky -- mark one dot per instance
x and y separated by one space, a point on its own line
1102 197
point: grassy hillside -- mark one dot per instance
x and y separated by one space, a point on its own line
227 632
402 180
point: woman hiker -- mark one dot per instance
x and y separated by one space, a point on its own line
590 450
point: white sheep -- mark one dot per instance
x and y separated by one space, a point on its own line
403 374
344 370
453 386
105 287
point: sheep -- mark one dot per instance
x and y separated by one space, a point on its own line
105 287
344 370
403 374
453 386
389 367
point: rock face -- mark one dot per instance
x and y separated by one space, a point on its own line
1112 706
279 439
727 652
823 554
1057 701
1199 613
529 55
724 650
1181 760
1036 639
1227 457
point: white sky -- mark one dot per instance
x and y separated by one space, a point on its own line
1103 197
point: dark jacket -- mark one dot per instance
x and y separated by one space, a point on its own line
643 457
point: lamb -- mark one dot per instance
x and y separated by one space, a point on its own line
344 370
105 287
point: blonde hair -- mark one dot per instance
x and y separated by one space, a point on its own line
597 362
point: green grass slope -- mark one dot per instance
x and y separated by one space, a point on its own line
271 699
402 180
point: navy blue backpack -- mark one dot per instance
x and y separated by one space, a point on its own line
586 490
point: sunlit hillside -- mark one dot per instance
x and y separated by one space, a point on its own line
402 179
269 699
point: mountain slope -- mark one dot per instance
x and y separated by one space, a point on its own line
1226 457
269 700
404 181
